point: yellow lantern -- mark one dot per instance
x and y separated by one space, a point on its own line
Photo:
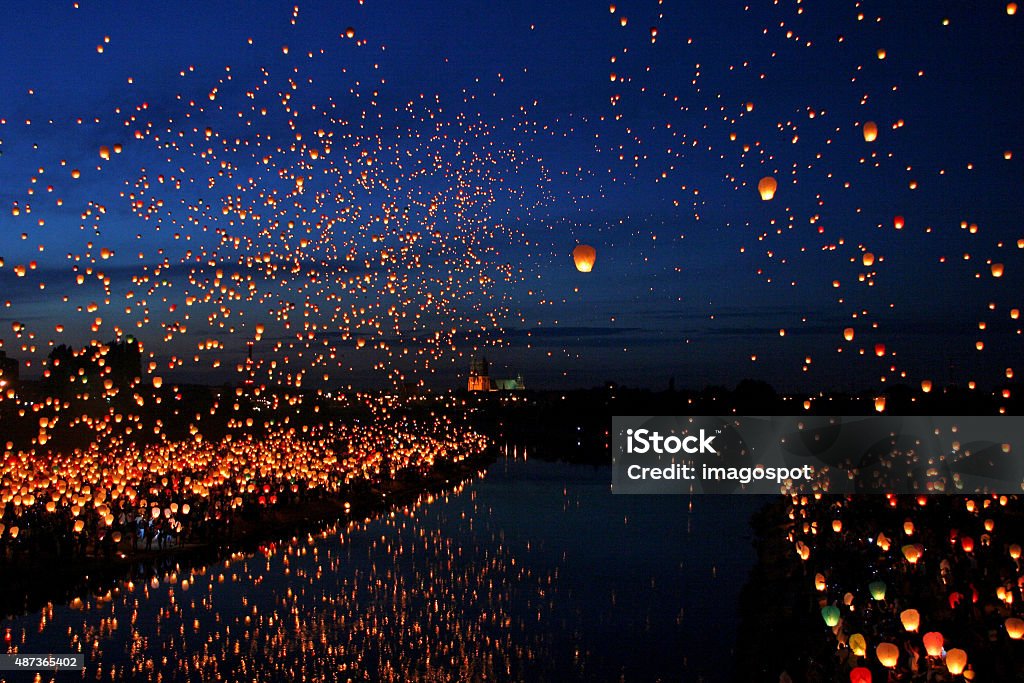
956 661
858 645
766 187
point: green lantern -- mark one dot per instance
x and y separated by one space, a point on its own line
877 589
830 614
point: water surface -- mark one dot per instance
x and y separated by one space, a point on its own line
534 571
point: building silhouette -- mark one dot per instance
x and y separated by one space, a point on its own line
480 379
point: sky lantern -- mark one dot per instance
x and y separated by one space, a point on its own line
819 582
967 543
830 613
880 404
997 270
956 661
858 644
1015 628
1015 551
870 131
911 620
879 349
158 382
882 542
877 590
926 385
584 256
933 641
105 153
848 334
1011 8
898 222
888 654
908 527
912 553
861 674
868 259
766 187
837 525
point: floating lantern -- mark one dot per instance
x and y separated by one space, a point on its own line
858 645
767 187
911 620
830 614
848 334
819 582
870 131
912 553
926 385
888 654
861 674
933 641
956 661
584 256
868 259
837 525
1015 628
967 543
877 589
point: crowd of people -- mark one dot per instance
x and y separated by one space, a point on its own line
908 588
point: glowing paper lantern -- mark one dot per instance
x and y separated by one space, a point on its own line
898 222
858 645
584 256
861 674
819 582
848 334
926 385
1015 551
912 553
968 544
911 620
956 661
877 589
837 525
767 187
1015 628
868 259
870 131
888 654
830 614
933 641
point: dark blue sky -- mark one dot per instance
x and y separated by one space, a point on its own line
489 140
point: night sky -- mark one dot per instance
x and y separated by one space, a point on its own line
382 206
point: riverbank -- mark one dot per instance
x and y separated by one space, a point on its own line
31 583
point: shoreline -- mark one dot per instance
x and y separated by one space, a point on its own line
30 585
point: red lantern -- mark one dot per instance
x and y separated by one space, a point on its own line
861 674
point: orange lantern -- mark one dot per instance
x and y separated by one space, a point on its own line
888 654
956 661
584 256
767 187
933 641
911 620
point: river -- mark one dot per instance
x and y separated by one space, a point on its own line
532 571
